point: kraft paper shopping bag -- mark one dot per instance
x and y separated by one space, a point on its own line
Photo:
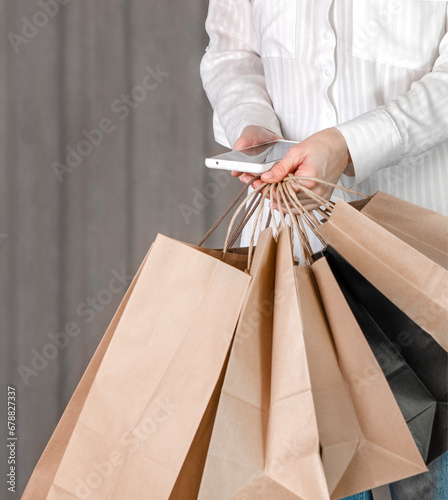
156 378
415 365
408 278
265 440
292 448
189 479
235 457
423 229
386 450
257 304
45 470
339 430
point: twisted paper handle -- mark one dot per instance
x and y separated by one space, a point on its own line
287 197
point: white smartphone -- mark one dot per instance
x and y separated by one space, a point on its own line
253 160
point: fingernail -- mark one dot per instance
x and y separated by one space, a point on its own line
268 175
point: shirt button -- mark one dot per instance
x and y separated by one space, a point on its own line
327 73
327 35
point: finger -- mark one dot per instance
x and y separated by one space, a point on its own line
243 142
276 196
304 201
323 193
236 174
257 184
307 169
284 209
308 204
280 170
313 185
246 177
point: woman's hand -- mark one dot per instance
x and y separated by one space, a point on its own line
324 155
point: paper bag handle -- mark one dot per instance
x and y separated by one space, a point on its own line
287 197
226 212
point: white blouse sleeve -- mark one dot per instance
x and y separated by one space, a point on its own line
409 125
232 72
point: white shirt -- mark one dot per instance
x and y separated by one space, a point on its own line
376 69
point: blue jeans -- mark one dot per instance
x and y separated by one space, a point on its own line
432 485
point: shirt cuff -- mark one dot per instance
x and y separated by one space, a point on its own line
374 143
218 130
252 115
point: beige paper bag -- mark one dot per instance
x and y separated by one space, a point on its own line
156 378
265 442
189 479
292 448
364 439
422 229
187 485
45 470
409 279
339 430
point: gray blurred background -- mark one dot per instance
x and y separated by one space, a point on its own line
63 237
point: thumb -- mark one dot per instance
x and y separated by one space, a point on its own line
280 170
245 141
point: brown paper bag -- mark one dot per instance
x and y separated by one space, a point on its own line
422 229
156 378
409 279
339 430
292 448
236 449
265 442
364 439
45 470
189 480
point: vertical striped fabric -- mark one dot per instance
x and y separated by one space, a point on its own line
377 69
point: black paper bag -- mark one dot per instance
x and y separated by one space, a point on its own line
414 364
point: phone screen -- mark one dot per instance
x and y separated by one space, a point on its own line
265 153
